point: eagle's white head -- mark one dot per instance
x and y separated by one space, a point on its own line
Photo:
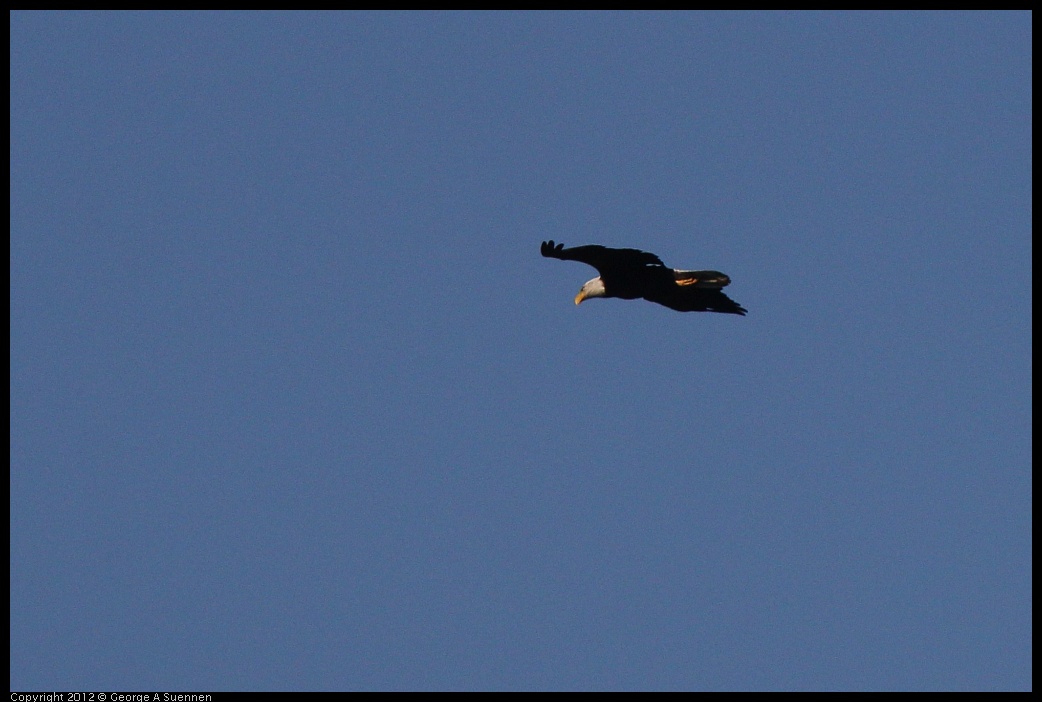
592 288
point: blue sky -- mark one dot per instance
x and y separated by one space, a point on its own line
297 405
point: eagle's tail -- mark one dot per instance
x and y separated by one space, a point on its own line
701 279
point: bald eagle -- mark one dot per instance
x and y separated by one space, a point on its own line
631 274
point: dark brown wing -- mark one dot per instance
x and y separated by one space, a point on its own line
606 260
691 298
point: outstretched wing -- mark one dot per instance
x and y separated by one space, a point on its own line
605 259
700 300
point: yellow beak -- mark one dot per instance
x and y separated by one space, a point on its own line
580 297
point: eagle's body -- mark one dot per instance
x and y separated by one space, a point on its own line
631 274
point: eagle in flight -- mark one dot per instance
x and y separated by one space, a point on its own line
631 274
